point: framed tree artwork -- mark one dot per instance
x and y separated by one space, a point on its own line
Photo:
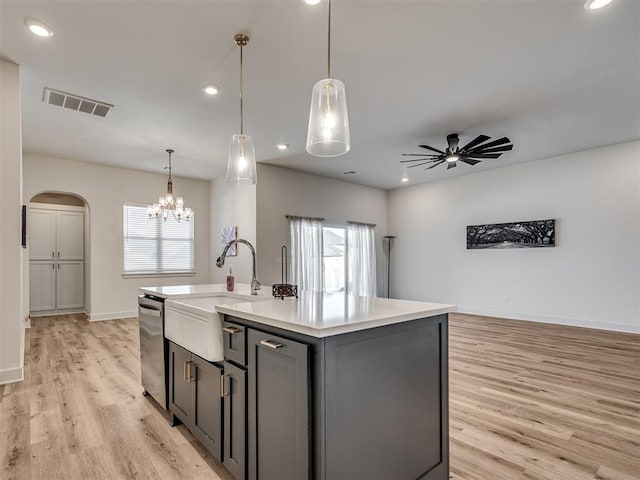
530 234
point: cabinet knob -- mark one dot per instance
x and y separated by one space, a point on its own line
270 344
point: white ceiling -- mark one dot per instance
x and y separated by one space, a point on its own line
548 74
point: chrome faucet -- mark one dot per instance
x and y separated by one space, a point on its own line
255 284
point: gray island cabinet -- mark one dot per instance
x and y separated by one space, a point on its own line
359 395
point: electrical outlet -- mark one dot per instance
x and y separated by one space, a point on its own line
505 299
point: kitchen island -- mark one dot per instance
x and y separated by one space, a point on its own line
339 387
328 386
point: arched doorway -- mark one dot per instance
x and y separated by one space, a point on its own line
57 240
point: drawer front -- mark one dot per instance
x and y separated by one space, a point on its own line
235 343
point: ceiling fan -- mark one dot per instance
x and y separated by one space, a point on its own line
472 153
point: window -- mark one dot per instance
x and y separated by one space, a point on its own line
156 246
333 258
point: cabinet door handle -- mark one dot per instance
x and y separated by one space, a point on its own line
223 383
231 330
58 266
186 371
270 344
53 254
192 377
58 254
53 266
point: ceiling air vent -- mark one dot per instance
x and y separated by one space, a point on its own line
76 102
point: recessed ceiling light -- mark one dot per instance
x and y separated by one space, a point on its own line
596 4
211 89
38 28
282 146
312 2
405 179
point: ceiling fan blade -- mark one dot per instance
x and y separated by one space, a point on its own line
479 139
502 149
418 155
432 149
482 155
418 164
469 161
435 165
495 143
452 165
420 160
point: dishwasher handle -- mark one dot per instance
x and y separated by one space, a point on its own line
149 311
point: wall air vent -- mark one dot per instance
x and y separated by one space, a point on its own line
76 102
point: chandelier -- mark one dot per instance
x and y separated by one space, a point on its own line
167 203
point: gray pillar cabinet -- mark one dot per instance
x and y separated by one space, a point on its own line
195 396
367 404
266 403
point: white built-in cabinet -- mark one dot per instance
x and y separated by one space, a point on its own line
56 258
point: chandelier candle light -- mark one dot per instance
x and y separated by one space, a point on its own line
241 167
328 133
167 203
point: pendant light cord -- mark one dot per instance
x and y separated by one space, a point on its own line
241 105
169 152
329 41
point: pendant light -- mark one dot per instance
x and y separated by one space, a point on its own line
168 204
241 167
328 133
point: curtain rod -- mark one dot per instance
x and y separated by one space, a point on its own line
304 218
351 222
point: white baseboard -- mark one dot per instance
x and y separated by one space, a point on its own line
98 317
11 375
49 313
616 327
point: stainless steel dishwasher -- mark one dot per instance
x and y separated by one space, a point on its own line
152 348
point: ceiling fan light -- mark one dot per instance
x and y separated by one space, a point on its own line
596 4
328 132
241 166
453 158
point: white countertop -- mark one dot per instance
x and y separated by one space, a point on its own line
326 314
315 314
208 290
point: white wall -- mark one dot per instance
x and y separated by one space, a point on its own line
105 189
591 277
232 205
11 311
282 191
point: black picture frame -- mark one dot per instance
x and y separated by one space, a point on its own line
529 234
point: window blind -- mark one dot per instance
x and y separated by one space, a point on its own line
153 245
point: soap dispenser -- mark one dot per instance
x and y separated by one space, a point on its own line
230 280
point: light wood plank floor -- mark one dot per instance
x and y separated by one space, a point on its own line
528 401
537 401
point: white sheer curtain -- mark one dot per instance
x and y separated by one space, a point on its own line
305 235
361 259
